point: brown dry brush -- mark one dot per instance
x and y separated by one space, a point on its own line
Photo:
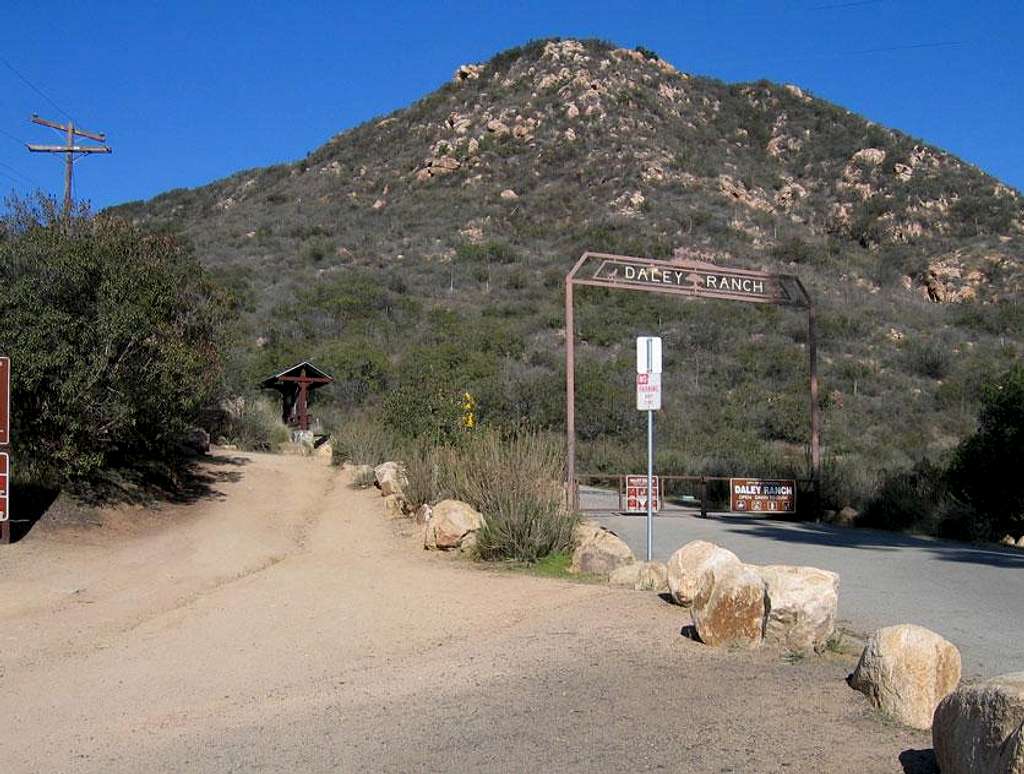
514 480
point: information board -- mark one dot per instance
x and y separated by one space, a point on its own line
636 494
762 495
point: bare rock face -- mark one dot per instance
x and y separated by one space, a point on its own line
390 478
599 551
980 728
452 524
689 564
906 671
641 576
731 609
802 606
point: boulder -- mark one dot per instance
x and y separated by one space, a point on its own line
641 576
847 517
905 671
802 604
424 513
395 506
1020 542
980 728
730 606
687 566
197 440
1007 540
600 552
390 478
451 524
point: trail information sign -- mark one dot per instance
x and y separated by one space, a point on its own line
636 494
762 495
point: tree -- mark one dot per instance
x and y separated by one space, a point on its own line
113 338
986 466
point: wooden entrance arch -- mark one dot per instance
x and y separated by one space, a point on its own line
694 279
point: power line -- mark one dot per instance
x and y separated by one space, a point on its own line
836 6
29 180
36 89
8 134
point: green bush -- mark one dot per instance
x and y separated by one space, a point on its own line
114 338
986 466
516 483
908 499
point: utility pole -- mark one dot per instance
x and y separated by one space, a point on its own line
69 149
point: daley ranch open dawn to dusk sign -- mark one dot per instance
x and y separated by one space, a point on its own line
762 495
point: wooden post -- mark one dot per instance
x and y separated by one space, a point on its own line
812 353
703 497
69 165
570 399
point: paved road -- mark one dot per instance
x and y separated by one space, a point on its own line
973 596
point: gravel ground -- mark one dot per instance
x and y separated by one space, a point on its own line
286 626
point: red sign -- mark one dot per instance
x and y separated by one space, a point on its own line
5 401
636 494
5 477
762 495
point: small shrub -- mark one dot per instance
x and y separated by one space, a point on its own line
927 359
907 499
515 482
254 424
420 461
362 441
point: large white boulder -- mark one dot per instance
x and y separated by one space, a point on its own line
980 728
905 671
599 551
641 576
729 607
689 565
453 524
802 605
390 478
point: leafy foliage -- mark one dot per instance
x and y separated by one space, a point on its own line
113 338
985 469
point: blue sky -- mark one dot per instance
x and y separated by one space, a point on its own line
190 91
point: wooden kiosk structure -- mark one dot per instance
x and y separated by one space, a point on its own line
295 384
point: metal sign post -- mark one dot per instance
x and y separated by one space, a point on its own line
648 398
5 439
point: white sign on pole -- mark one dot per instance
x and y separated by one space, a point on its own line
648 354
648 392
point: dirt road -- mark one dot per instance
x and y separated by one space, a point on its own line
286 626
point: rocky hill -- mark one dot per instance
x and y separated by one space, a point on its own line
428 247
